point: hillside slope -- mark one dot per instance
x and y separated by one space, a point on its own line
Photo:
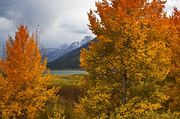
68 61
54 53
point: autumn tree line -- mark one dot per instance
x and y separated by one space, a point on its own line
133 67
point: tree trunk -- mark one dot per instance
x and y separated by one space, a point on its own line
124 88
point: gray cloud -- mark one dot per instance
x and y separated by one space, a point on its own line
60 21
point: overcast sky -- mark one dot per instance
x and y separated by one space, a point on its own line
60 21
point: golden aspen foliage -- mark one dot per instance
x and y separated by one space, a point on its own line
128 39
133 52
96 103
174 43
24 90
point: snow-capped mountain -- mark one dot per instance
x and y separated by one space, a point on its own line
86 40
54 53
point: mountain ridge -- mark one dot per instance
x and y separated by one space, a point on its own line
69 60
54 53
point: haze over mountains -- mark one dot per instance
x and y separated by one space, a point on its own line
54 53
69 60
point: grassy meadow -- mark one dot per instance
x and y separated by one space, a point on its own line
131 70
70 91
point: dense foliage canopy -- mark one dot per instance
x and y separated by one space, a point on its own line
24 88
137 49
